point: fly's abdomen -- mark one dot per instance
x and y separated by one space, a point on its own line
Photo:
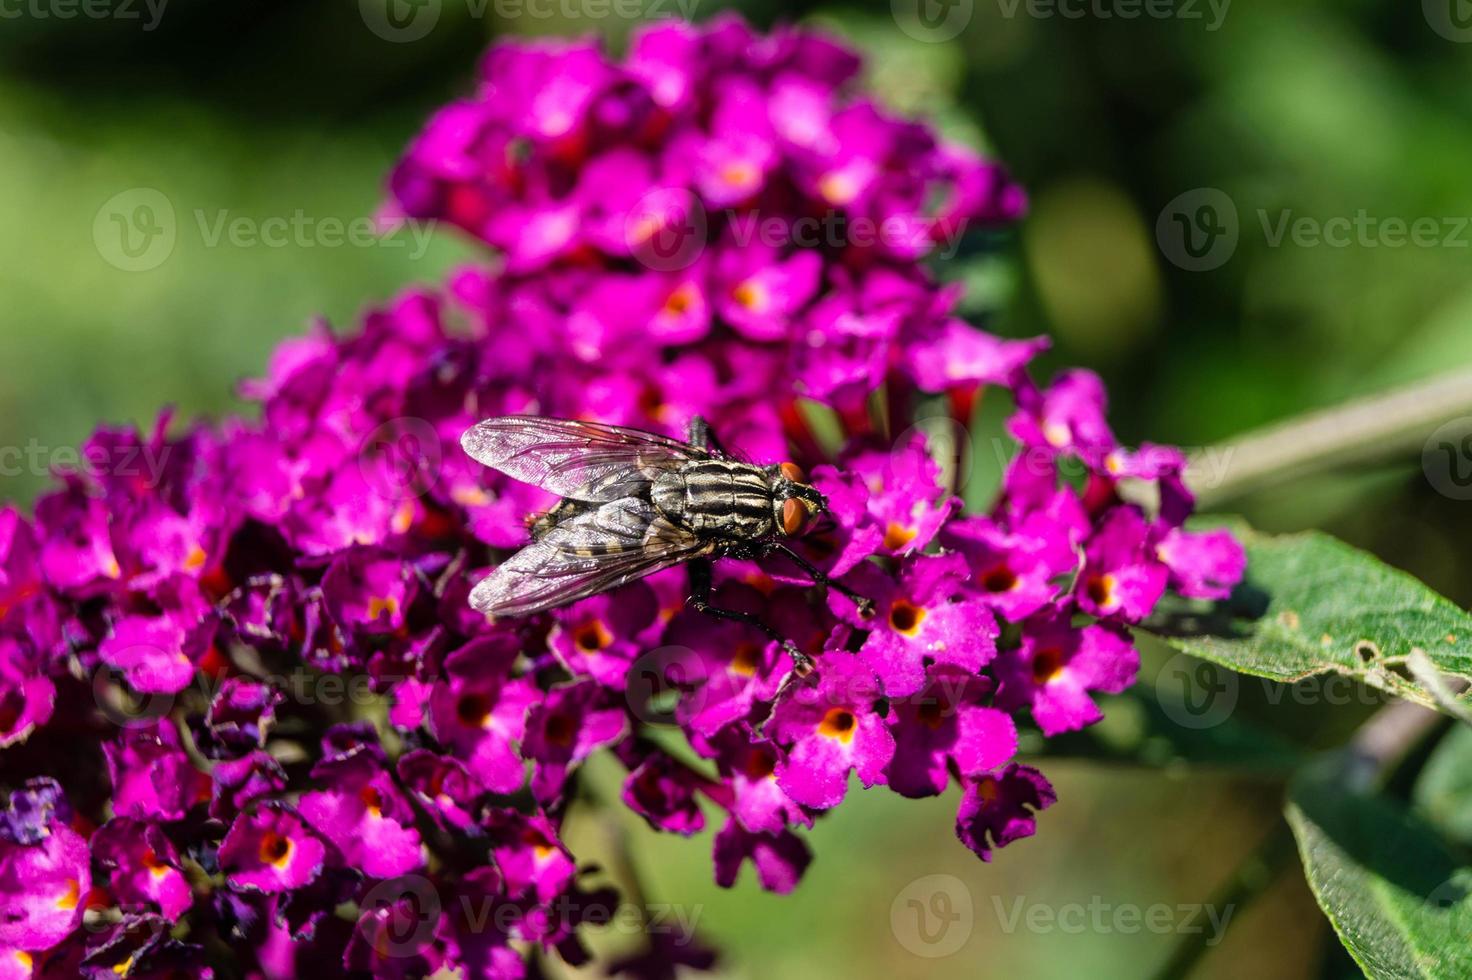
725 500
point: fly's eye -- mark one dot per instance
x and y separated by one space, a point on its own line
793 516
793 472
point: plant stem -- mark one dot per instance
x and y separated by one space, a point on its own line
1365 429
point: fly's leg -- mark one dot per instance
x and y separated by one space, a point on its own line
864 603
700 586
702 437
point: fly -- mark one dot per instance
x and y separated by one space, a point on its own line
635 503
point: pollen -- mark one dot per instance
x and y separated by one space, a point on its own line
71 896
155 865
372 800
740 174
276 850
379 605
838 723
905 617
838 189
1058 434
681 300
896 536
195 560
752 295
592 636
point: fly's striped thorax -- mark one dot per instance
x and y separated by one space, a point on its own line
726 499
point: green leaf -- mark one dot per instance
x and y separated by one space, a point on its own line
1443 791
1393 892
1312 604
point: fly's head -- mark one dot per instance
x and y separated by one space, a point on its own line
796 504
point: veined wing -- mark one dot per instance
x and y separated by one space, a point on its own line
589 553
581 460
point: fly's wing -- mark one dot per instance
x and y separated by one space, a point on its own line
589 553
581 460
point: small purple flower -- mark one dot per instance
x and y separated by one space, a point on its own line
144 865
442 786
364 815
152 777
565 728
662 790
748 765
1013 574
1066 418
536 866
270 851
240 782
924 618
27 697
1203 565
905 497
1057 666
157 654
780 858
945 727
598 637
829 726
999 808
480 714
1122 577
239 718
43 888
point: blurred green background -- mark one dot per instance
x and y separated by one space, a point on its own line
1316 108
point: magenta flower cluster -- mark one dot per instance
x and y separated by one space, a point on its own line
246 713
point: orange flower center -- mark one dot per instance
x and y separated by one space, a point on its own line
987 789
276 850
592 636
838 723
372 799
71 896
751 295
1101 590
905 617
896 536
680 301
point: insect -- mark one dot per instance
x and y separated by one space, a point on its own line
635 503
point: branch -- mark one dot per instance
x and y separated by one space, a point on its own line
1364 429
